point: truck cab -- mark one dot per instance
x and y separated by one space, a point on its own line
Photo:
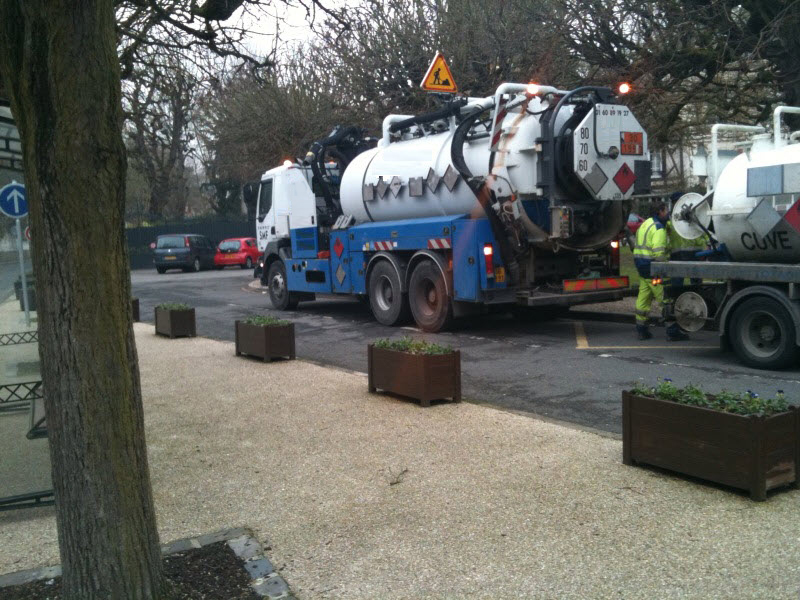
285 202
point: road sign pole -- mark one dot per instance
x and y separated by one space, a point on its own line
22 275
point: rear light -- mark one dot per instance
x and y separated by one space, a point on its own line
487 258
615 253
657 281
615 244
186 241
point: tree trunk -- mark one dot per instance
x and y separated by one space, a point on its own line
59 62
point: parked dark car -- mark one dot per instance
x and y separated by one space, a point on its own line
242 252
187 251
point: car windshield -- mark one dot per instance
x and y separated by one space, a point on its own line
170 241
229 245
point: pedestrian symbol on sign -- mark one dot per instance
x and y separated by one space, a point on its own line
438 78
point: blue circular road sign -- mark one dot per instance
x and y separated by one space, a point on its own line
13 200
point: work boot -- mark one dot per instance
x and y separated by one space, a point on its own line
676 334
643 332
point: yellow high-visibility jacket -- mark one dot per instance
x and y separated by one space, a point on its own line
651 244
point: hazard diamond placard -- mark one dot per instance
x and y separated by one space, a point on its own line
439 78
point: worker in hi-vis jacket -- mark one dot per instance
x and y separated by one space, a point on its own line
652 244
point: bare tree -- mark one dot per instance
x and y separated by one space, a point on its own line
61 69
159 99
691 63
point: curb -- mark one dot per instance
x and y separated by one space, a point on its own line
266 582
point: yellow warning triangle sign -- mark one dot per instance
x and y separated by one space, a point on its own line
439 78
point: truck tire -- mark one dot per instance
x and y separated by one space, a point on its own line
386 299
428 299
762 334
279 294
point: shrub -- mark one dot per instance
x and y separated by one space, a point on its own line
747 403
412 346
265 320
174 306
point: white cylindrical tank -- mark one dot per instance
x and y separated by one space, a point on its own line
398 179
409 160
774 186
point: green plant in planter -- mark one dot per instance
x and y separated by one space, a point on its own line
412 346
265 320
747 403
174 306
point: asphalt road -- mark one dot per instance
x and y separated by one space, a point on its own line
569 369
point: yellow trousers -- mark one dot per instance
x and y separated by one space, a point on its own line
647 293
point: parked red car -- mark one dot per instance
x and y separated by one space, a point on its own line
236 251
634 222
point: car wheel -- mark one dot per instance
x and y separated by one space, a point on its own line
248 263
196 265
428 299
279 294
386 299
161 270
762 334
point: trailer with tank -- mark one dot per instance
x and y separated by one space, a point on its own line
750 281
516 199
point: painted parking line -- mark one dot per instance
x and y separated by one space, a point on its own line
582 343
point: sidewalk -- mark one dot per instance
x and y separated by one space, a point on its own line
357 495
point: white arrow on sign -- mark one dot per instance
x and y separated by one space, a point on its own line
16 197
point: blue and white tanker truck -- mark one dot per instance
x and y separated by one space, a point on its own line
514 199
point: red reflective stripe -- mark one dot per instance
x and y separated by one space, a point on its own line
606 283
498 121
599 283
578 285
438 244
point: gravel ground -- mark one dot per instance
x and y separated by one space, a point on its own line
368 496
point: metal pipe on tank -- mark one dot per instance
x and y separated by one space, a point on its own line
387 123
795 137
712 180
776 122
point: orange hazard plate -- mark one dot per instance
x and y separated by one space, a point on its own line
499 275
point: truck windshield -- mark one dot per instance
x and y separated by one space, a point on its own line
170 241
229 246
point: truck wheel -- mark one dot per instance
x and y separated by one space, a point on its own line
386 299
762 334
427 296
278 291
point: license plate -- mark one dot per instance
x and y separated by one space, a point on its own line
170 258
499 275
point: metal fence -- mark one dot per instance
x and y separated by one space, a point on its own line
139 238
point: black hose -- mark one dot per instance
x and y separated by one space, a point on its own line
483 193
450 109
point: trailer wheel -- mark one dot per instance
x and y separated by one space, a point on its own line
427 296
762 334
279 294
386 299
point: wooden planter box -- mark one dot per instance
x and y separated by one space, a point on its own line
175 323
265 341
750 453
135 309
424 377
